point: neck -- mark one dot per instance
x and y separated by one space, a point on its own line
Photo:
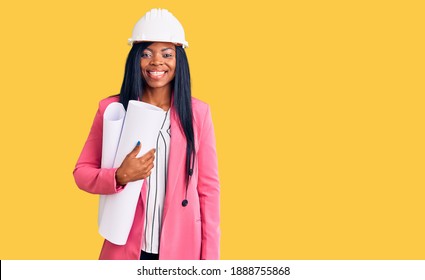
160 97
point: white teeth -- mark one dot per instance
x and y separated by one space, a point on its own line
157 73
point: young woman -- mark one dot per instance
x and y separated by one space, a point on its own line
177 215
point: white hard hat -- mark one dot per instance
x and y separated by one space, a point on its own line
158 25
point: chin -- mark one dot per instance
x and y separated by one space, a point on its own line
157 85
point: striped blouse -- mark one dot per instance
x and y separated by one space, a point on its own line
156 184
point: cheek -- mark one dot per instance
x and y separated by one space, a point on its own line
143 74
173 74
173 67
142 67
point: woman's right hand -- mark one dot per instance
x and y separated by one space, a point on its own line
133 169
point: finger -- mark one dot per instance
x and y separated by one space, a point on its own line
150 167
144 175
145 161
148 156
136 149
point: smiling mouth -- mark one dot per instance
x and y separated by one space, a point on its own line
156 74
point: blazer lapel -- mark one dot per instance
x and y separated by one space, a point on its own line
176 160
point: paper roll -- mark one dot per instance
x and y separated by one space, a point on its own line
113 119
142 123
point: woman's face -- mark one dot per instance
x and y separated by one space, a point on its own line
158 64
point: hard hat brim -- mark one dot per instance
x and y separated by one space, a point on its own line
131 42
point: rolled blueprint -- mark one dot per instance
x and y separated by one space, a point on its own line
113 119
142 123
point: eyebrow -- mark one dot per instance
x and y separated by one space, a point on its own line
164 49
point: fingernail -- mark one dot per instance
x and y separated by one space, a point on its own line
138 143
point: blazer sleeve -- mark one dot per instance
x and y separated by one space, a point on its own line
209 190
88 174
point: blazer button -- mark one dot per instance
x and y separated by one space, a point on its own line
185 202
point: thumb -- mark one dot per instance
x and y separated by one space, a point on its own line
136 149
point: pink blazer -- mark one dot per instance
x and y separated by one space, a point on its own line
190 232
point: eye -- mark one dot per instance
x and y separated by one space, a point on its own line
167 55
146 54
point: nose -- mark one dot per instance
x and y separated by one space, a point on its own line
157 59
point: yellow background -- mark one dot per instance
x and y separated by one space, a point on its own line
318 108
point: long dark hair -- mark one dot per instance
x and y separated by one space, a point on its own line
132 89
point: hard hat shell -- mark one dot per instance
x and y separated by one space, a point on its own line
159 25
